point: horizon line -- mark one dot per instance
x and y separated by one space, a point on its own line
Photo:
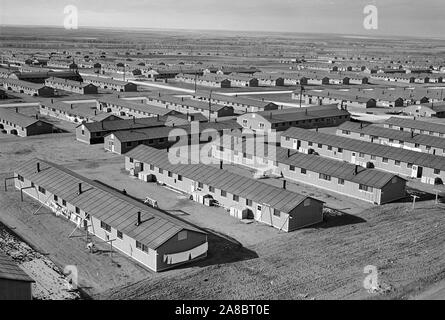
231 31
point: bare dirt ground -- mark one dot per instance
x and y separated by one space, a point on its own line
324 262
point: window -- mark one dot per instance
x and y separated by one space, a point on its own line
409 165
320 145
330 148
436 171
141 246
32 184
223 193
276 213
83 132
77 210
211 189
385 160
397 162
131 160
340 150
20 178
309 144
170 174
152 167
182 235
259 208
373 157
200 185
261 125
416 145
235 198
324 177
179 177
64 203
244 123
307 202
105 226
248 202
341 181
128 144
345 132
56 198
160 170
365 188
303 171
361 155
119 234
292 168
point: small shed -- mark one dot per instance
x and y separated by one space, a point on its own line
15 284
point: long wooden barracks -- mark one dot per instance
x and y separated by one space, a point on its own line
426 167
145 234
371 185
278 207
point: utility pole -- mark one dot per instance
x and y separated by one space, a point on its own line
210 105
301 94
196 76
124 71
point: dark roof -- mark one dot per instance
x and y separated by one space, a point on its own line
405 136
416 124
248 188
335 168
105 204
11 271
124 124
142 107
107 80
77 84
293 114
164 132
17 118
86 109
26 84
237 100
167 99
408 156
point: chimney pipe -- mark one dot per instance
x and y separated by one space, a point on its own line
356 169
139 221
412 134
16 109
157 117
284 184
37 116
134 119
80 188
288 153
220 164
38 166
361 125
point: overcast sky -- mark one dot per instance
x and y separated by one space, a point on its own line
424 18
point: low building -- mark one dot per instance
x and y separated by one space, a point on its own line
207 80
41 76
122 141
416 126
21 125
15 284
428 110
154 239
242 80
427 168
269 79
186 106
238 103
278 207
71 112
112 84
30 88
94 132
393 138
280 120
128 108
366 184
71 86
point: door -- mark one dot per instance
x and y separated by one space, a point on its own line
296 144
258 213
419 172
353 157
414 171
